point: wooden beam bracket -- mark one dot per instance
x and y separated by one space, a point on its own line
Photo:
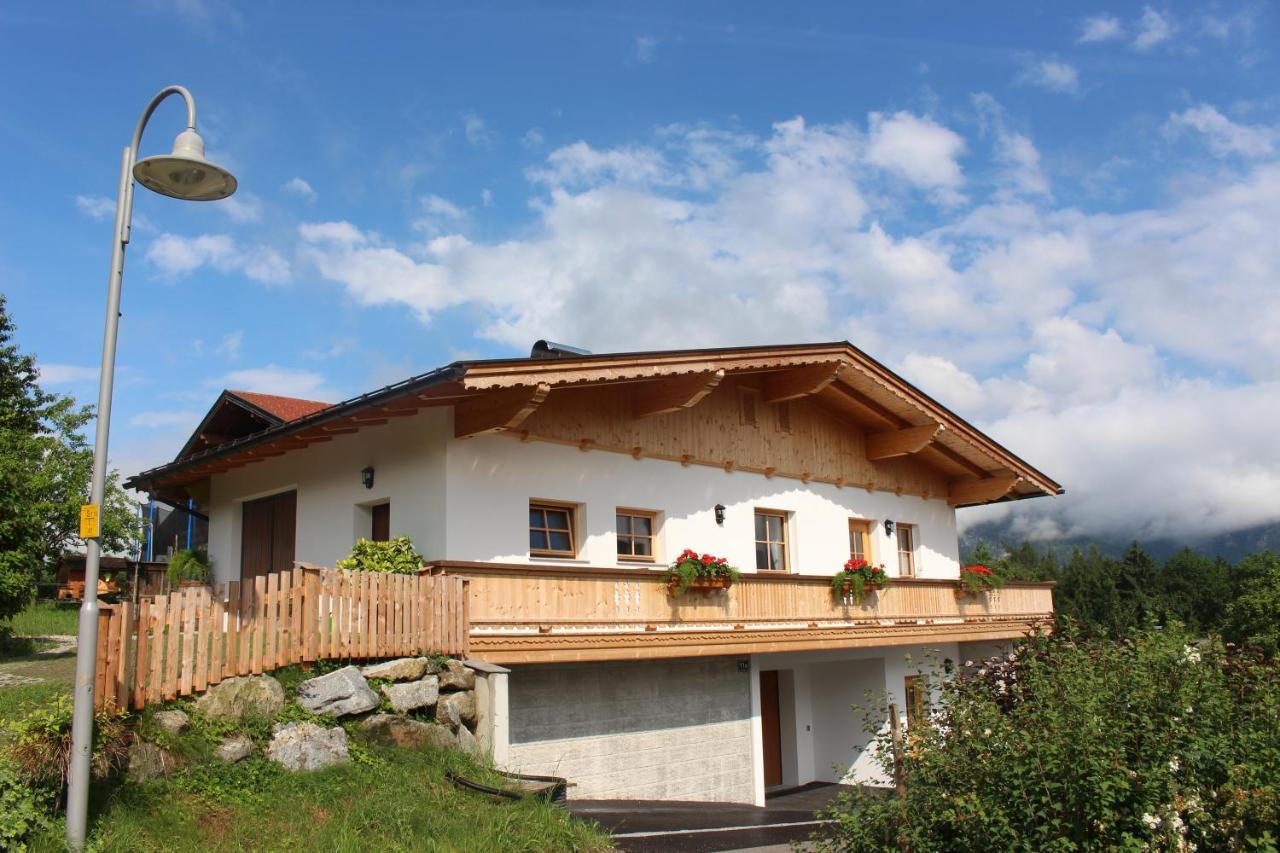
900 442
496 411
663 396
798 382
985 490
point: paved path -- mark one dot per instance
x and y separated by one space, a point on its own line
641 826
56 663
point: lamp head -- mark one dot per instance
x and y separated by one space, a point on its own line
185 173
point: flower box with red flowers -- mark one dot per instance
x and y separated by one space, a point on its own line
704 572
976 580
857 578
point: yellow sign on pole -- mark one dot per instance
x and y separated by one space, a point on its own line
89 521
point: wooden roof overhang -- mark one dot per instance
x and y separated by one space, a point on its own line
500 396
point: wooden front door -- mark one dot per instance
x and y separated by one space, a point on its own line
380 526
267 534
770 727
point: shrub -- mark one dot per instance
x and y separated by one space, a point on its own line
41 746
396 556
189 564
860 576
691 566
25 809
1065 744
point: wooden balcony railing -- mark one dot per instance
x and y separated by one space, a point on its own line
535 613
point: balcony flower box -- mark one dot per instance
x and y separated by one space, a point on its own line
978 580
856 579
702 572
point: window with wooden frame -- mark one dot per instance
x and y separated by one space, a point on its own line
771 541
782 411
860 539
637 531
748 402
906 550
553 529
915 690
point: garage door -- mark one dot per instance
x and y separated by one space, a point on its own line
267 533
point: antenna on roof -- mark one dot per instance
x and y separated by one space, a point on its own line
551 349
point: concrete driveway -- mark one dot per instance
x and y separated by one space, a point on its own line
640 826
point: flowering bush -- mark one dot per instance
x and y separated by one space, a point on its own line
978 579
1160 742
691 567
857 578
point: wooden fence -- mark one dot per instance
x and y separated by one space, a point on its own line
183 642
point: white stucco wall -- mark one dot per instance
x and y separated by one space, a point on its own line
492 478
408 457
673 730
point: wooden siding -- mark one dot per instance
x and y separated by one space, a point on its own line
525 614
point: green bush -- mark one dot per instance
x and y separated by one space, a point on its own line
25 809
189 564
396 556
40 749
1066 744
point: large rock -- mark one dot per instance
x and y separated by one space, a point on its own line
148 761
306 746
238 699
400 669
339 693
455 709
233 749
455 676
173 722
398 730
466 741
412 695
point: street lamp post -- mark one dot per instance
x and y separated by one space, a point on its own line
183 174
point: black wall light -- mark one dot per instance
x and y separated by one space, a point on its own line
719 513
888 527
366 476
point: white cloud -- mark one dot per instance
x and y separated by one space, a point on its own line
477 131
175 257
96 207
1224 136
486 197
1098 28
918 149
241 208
231 344
532 138
62 374
1052 75
645 48
273 379
1015 153
578 164
300 188
1151 29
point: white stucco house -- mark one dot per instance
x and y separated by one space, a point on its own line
562 484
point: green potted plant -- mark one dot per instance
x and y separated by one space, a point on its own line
692 570
978 579
857 578
395 556
189 567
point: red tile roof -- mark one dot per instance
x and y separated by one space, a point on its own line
285 408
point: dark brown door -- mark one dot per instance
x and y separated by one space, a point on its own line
381 531
770 727
267 534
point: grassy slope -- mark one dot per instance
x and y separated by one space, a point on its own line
46 618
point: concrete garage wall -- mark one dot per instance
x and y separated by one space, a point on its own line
839 691
674 730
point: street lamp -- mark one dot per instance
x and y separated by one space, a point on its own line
183 174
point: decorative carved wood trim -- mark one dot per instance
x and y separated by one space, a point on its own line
900 442
964 492
497 411
672 395
798 382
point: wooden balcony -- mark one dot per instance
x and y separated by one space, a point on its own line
543 614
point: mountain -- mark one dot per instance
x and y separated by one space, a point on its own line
1229 546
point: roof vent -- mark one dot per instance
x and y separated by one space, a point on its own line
551 349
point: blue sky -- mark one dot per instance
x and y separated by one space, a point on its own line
1060 219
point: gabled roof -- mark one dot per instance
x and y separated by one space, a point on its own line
236 414
283 408
497 395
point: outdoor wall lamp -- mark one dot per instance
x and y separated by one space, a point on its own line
366 476
888 527
183 174
719 513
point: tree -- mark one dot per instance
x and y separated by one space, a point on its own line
45 470
1194 590
1253 616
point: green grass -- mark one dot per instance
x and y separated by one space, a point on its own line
386 799
45 618
17 699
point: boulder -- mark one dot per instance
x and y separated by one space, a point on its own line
412 695
306 746
238 699
467 743
338 694
173 722
455 676
455 709
398 730
400 669
147 761
233 749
